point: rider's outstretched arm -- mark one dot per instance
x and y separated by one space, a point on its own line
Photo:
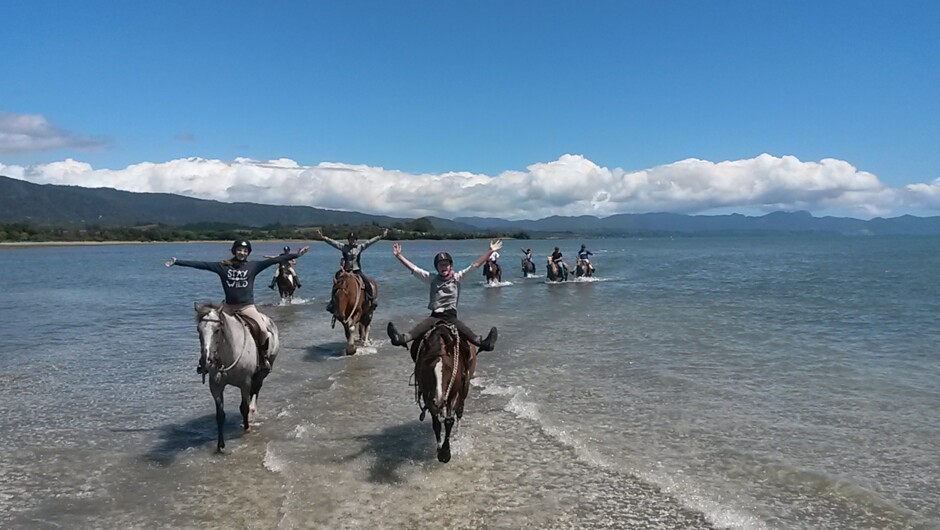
396 250
372 241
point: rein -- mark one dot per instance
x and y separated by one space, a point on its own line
241 351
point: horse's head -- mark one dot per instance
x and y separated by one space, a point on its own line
209 324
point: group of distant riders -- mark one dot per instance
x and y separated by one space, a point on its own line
237 275
583 266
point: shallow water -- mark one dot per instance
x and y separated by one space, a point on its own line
765 382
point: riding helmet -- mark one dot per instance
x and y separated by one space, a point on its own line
351 235
287 250
442 256
241 243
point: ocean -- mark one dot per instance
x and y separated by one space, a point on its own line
786 381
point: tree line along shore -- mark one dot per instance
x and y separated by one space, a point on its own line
29 233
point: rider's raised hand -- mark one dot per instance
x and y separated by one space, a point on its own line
385 233
317 232
396 249
303 250
495 245
171 262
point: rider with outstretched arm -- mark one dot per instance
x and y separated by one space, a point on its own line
285 268
351 252
238 282
444 295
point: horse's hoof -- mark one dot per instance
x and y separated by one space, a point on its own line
443 455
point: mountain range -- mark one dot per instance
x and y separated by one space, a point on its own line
69 206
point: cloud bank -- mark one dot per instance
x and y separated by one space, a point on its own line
21 133
571 185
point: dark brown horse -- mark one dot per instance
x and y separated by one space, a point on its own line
443 368
492 272
285 285
351 307
527 267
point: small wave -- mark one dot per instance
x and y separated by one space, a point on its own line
271 461
299 431
295 301
588 279
687 492
491 285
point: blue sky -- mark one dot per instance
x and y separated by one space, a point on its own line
653 106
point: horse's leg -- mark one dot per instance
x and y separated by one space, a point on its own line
244 408
216 390
256 383
350 339
436 425
443 454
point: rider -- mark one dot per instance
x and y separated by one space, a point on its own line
584 256
238 282
527 257
558 260
444 295
493 264
285 268
351 252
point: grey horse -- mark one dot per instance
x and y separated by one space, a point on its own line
232 359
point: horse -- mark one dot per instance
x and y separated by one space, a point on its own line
352 308
492 272
232 359
285 285
444 364
527 267
584 268
556 272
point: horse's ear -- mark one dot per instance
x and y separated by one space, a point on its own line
202 308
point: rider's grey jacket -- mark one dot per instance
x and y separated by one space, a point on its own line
444 293
351 252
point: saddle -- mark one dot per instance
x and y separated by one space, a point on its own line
255 330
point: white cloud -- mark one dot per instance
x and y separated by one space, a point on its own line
571 185
20 133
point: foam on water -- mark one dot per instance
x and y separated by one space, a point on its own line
491 285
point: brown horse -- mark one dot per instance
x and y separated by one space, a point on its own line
584 268
351 307
556 272
492 272
443 368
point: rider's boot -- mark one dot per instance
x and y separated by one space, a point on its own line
201 369
397 338
273 283
297 281
488 343
330 308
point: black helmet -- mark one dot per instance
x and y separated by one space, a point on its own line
442 256
582 246
351 235
241 243
556 248
528 250
287 250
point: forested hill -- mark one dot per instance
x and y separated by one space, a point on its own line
48 204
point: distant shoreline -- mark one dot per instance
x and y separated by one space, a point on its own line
13 244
